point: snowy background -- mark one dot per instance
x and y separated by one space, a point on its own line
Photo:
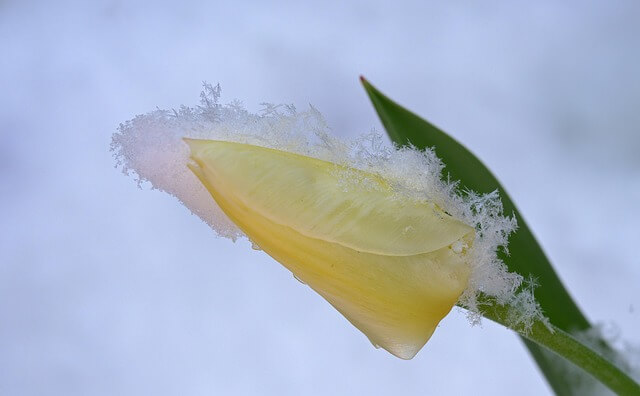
106 289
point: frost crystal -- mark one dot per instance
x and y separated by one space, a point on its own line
151 147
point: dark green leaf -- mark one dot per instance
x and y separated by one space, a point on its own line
526 256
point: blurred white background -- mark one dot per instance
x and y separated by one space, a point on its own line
106 289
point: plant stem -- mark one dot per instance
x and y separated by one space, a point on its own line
568 347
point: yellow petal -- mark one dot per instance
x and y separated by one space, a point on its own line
392 266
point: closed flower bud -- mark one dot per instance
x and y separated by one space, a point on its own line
380 232
392 265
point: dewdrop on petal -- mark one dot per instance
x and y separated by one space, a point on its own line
376 230
345 245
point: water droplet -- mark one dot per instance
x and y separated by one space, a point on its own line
458 246
255 246
298 279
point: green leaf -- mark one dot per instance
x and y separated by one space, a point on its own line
564 344
526 256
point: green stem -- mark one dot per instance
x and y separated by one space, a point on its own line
565 345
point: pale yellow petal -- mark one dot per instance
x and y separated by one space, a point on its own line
326 201
396 300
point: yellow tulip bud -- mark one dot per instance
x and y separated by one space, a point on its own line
393 266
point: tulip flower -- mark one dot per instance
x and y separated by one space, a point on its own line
394 267
380 232
376 230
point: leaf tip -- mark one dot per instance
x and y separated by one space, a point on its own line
365 83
